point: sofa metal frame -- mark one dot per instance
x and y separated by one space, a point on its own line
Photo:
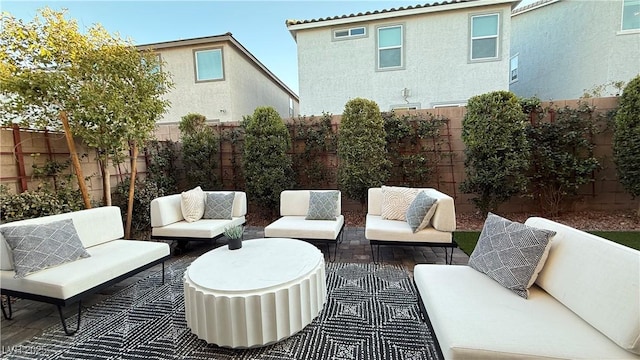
183 241
425 317
7 311
448 257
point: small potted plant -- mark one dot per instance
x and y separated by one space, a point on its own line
234 234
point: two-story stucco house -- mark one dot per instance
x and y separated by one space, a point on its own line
562 48
412 57
219 78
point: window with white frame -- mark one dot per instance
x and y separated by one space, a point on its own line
631 15
208 64
349 33
513 68
485 30
390 50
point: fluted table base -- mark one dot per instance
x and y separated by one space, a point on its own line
257 295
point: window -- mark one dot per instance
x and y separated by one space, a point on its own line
513 69
390 47
405 107
484 36
350 33
631 15
209 65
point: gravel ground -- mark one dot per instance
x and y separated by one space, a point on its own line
623 220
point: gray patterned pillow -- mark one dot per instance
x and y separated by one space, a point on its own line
219 205
323 205
41 246
511 253
421 211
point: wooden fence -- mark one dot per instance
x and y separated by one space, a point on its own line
21 149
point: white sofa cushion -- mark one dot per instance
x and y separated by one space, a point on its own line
166 210
37 247
296 202
396 201
6 255
511 253
90 231
108 260
394 230
474 317
298 227
444 219
203 228
596 278
192 204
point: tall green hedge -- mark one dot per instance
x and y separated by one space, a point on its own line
626 138
267 166
199 152
497 150
362 151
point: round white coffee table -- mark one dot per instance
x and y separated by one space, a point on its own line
261 293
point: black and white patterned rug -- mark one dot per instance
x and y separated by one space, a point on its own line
371 313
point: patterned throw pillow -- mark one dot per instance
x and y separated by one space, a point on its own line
192 204
219 205
323 205
421 211
41 246
511 253
396 201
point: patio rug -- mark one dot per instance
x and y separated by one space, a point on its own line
371 313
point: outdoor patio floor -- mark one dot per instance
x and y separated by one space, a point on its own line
31 318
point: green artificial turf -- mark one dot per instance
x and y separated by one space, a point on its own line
467 239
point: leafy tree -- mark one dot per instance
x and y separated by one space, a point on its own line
95 86
267 166
497 150
362 154
562 158
626 138
199 152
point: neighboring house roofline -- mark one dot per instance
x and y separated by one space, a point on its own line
228 37
533 6
295 25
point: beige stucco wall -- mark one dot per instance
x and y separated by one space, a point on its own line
187 96
243 88
249 88
436 70
570 46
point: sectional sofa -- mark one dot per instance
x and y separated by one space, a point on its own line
79 254
585 304
168 221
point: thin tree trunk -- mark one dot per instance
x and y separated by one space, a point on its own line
106 182
74 160
132 187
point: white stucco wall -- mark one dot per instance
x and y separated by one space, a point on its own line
437 70
567 47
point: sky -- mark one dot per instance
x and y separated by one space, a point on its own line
258 25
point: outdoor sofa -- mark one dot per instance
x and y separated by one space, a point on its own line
585 303
168 220
310 215
62 259
386 222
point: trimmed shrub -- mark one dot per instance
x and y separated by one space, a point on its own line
626 138
362 153
267 166
199 152
497 150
